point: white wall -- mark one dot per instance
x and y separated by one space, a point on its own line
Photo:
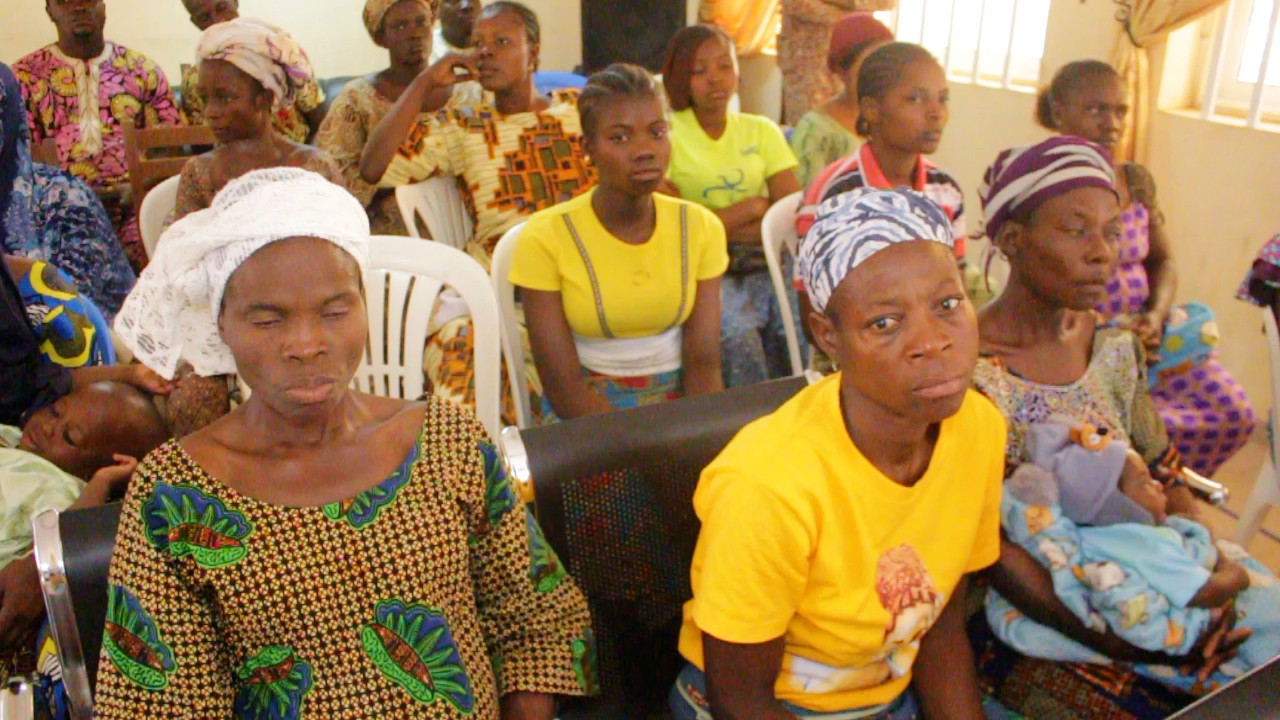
331 31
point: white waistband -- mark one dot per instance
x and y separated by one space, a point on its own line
631 357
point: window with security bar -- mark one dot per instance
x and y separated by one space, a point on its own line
1242 81
989 42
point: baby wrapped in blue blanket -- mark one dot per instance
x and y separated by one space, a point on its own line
1086 507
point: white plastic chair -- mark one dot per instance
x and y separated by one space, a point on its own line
512 345
1266 489
401 285
156 206
778 229
440 204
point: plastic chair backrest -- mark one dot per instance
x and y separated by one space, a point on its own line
512 345
440 204
1273 354
778 230
156 206
403 280
73 554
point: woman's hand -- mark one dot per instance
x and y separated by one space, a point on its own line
451 70
1218 644
1149 327
148 380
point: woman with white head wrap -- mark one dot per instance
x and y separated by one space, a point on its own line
1052 210
249 72
822 586
255 46
318 551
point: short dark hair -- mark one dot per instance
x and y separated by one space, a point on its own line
619 80
528 18
1069 78
678 69
882 70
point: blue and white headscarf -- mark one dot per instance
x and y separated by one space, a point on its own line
853 226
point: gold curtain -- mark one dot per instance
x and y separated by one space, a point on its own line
1145 23
753 24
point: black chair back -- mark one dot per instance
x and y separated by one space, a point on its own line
1256 696
88 540
614 497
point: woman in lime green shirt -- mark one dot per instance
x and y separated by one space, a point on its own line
737 165
621 285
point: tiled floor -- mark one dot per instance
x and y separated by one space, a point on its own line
1238 475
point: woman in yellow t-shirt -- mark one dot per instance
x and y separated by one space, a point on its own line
837 532
737 165
621 285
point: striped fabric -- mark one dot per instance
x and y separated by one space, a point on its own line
853 226
1023 177
861 170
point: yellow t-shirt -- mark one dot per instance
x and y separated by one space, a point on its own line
639 286
803 537
723 172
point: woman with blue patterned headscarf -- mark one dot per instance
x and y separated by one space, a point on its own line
822 587
47 214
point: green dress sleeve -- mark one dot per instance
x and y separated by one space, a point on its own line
162 656
1147 432
534 617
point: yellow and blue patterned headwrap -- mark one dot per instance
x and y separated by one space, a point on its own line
853 226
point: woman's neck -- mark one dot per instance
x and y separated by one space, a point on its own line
400 75
898 447
520 99
713 120
1023 318
621 212
303 429
898 166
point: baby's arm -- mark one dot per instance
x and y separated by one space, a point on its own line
107 483
1227 581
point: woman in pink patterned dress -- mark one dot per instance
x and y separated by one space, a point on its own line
80 91
1206 411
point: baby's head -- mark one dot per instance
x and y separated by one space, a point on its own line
1137 484
81 431
1101 480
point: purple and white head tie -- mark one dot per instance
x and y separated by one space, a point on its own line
1022 178
853 226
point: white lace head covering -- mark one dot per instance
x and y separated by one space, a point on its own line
172 313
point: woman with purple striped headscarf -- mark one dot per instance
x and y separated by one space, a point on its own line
1053 211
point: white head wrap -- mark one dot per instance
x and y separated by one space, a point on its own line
268 54
172 313
853 226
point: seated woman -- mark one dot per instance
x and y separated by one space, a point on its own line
1053 211
51 215
1261 285
297 121
248 68
1207 412
821 585
519 155
621 286
737 165
317 544
403 27
829 132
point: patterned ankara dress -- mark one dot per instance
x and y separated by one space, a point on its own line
802 51
1207 412
427 596
1112 393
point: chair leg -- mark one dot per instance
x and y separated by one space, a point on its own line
1265 493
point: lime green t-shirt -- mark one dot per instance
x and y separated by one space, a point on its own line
639 286
737 166
803 538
